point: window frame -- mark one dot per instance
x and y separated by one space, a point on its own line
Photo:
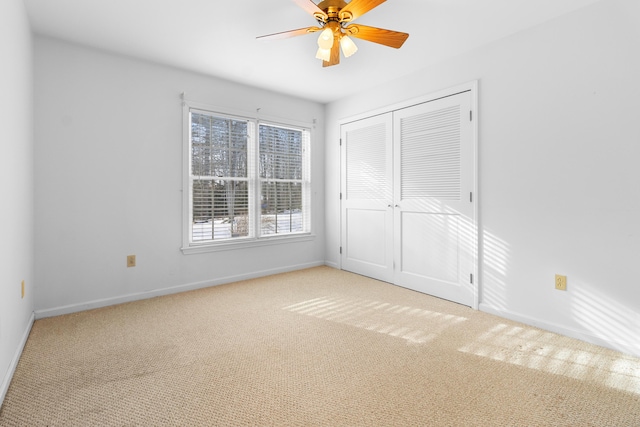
257 240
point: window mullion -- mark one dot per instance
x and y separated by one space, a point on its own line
254 182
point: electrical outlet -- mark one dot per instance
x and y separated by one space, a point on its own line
22 287
131 260
561 282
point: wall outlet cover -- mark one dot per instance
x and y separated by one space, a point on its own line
561 282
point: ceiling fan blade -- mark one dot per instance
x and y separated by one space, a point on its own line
310 7
358 8
377 35
288 34
334 59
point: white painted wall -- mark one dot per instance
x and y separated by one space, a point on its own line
16 185
559 144
108 175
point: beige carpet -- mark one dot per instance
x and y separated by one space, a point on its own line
318 347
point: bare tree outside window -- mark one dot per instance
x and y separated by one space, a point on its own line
220 193
281 162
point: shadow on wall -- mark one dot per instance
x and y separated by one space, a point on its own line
605 318
494 270
600 316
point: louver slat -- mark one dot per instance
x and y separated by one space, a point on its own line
431 155
366 163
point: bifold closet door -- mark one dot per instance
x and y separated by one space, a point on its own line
434 215
367 197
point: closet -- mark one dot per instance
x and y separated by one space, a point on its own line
408 202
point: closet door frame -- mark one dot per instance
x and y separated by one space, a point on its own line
471 87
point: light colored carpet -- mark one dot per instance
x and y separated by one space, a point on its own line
319 347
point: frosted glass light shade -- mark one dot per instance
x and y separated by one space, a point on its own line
348 46
325 41
324 54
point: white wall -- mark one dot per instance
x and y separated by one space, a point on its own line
109 179
16 185
559 145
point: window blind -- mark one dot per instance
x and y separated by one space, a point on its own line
220 187
281 180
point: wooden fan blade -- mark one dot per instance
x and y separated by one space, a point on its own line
310 7
334 59
377 35
291 33
358 8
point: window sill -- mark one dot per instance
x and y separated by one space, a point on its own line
227 245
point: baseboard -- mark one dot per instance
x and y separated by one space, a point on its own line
74 308
627 348
332 264
4 387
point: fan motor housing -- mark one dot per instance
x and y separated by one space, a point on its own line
333 4
332 8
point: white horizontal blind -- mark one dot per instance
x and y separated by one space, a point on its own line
219 177
283 180
366 172
431 155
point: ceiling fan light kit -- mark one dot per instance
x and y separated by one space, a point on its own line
325 41
334 18
348 46
324 54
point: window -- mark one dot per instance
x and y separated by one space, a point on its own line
281 183
248 180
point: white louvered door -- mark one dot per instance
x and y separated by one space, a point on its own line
367 196
434 221
408 214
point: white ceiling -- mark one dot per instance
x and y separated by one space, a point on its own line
219 38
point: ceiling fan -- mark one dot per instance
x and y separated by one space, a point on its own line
334 19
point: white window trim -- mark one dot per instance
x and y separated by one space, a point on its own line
189 247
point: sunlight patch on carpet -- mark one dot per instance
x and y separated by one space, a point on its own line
413 324
552 353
